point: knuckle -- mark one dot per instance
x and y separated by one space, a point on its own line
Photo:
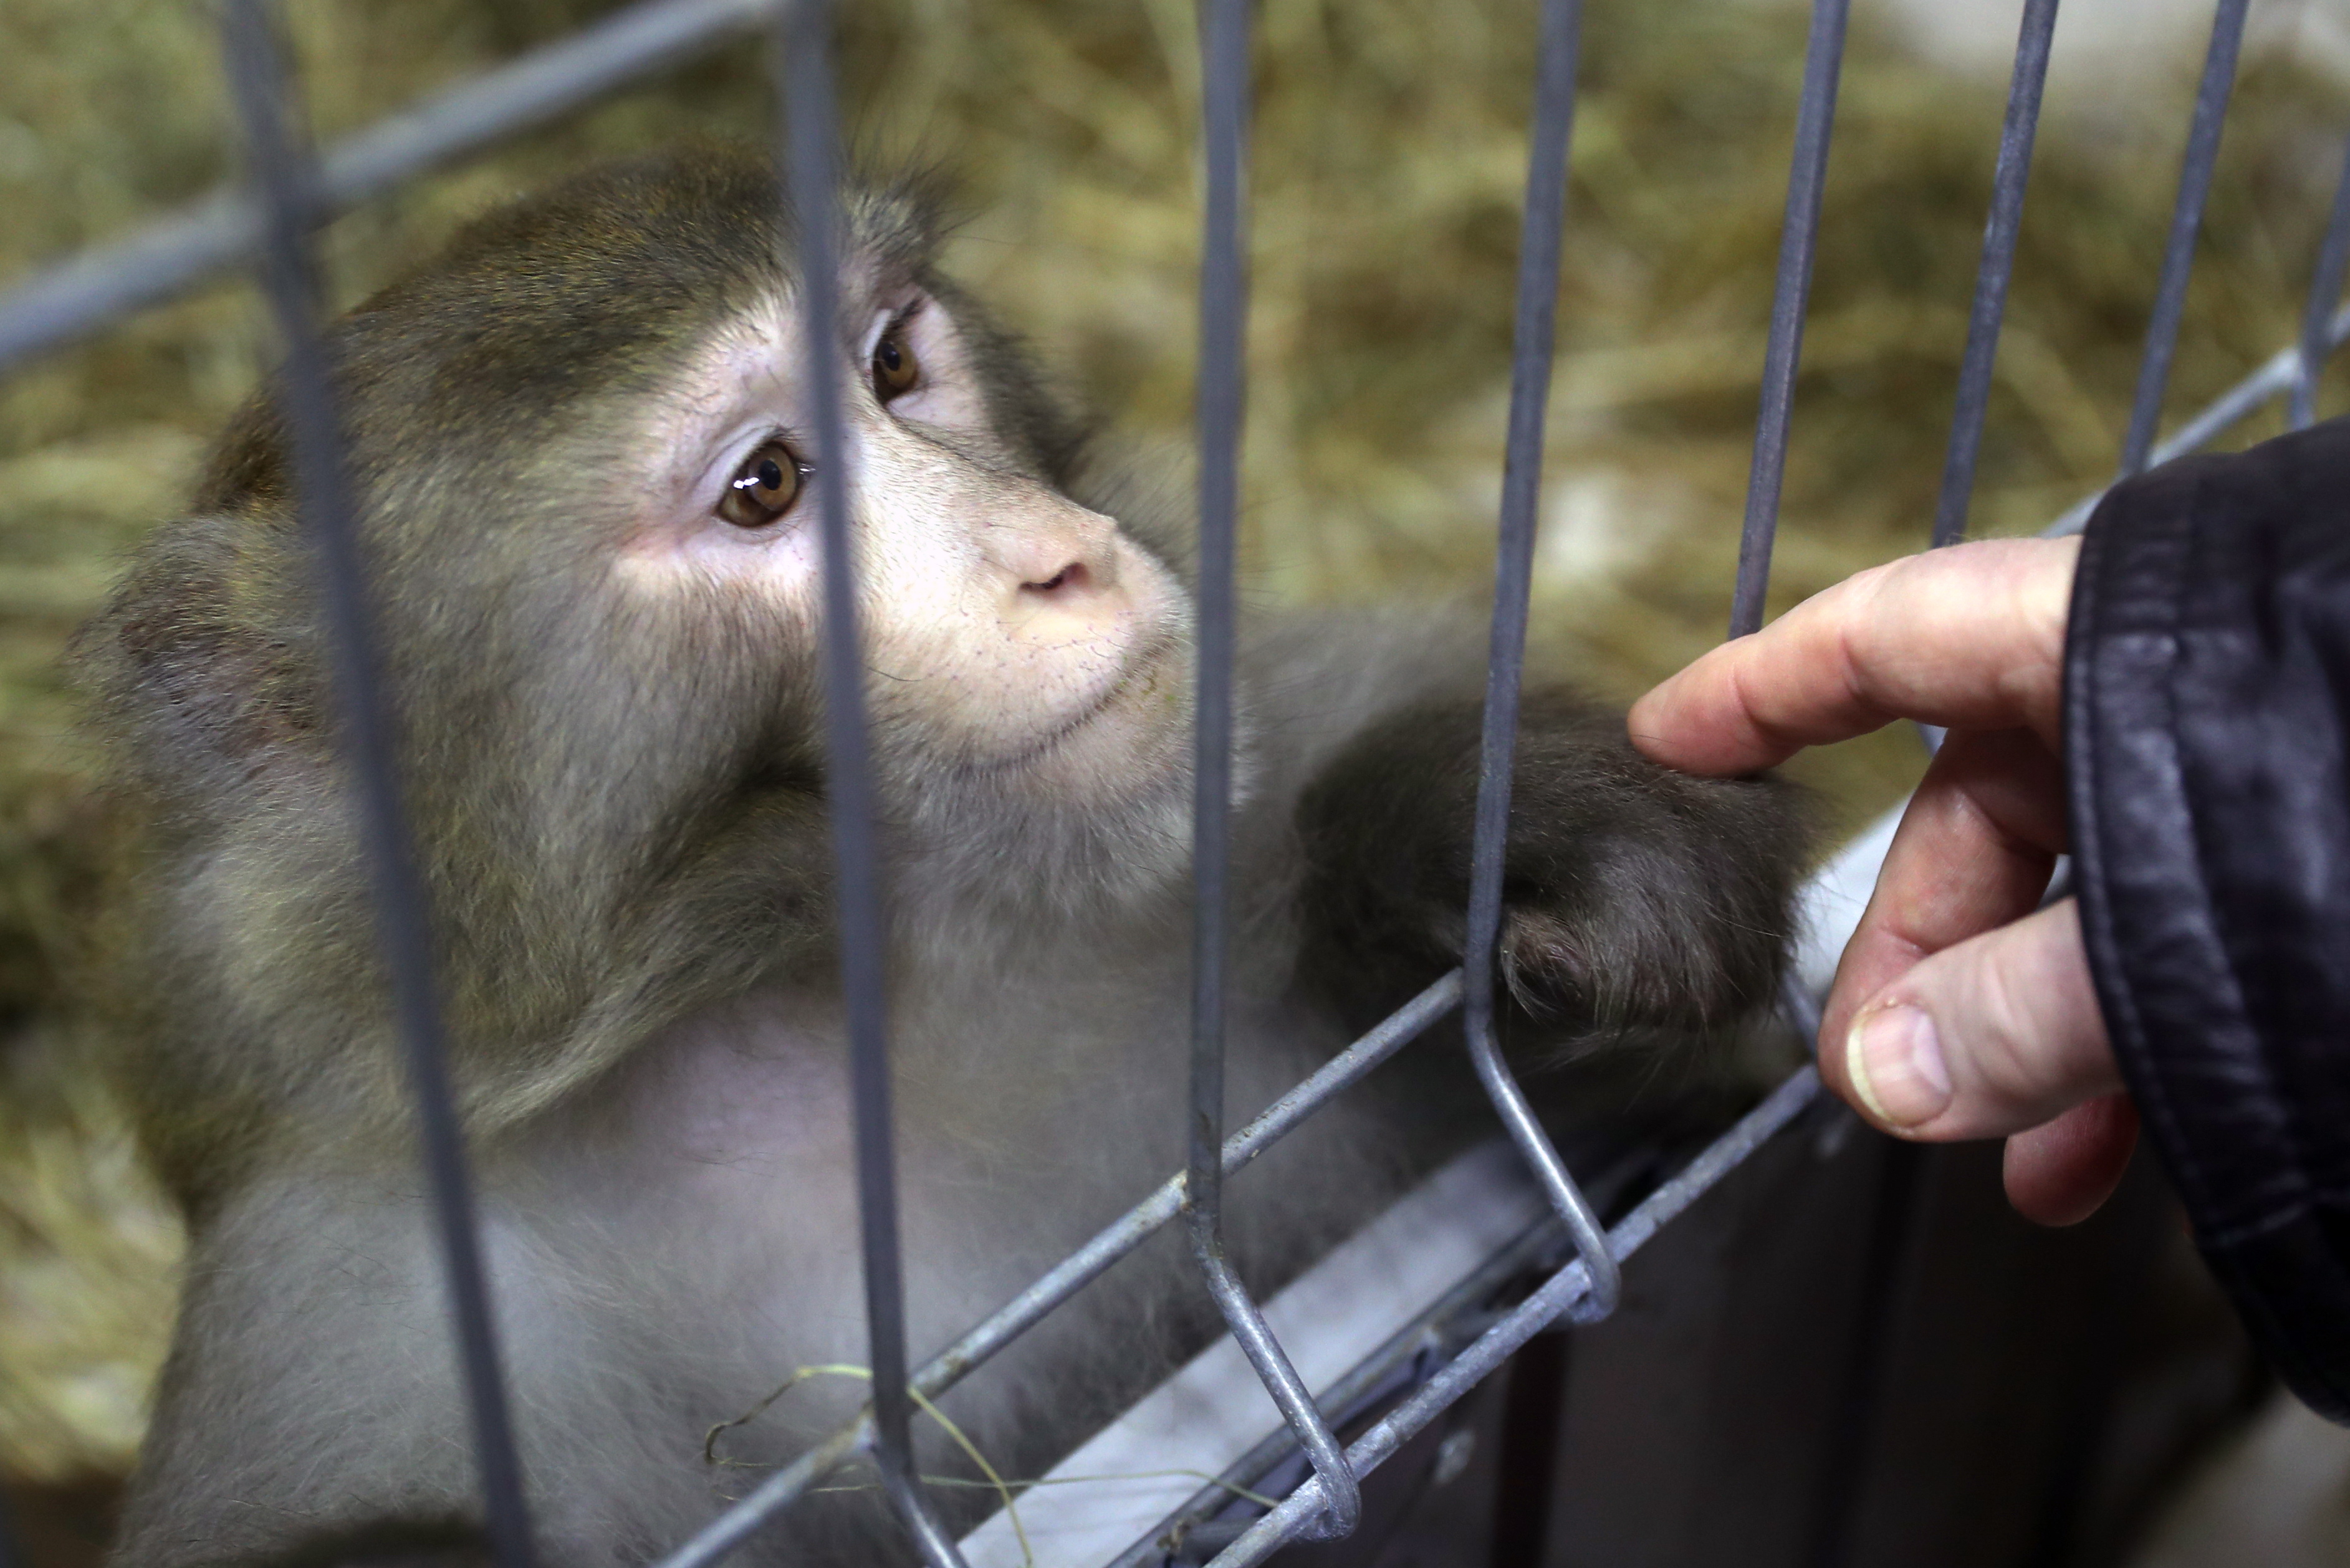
2014 1024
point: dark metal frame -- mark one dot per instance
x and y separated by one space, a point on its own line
293 192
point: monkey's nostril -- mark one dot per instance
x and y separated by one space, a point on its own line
1069 577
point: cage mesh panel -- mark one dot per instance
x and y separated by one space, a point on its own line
95 288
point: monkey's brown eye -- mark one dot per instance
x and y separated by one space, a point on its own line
895 369
765 487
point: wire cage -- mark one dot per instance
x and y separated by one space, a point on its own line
1427 1366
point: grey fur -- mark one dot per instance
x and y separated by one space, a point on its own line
622 824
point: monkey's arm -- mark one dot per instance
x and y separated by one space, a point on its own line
1636 899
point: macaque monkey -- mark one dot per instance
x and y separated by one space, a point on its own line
577 446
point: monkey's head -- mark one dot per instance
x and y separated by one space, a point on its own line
580 448
1019 644
603 392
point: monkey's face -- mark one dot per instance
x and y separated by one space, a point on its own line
1015 642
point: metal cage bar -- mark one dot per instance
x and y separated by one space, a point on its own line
167 255
1079 1270
803 34
306 401
296 192
2211 95
1998 266
1554 1299
1223 369
2325 297
1390 1372
2275 378
1540 237
1799 239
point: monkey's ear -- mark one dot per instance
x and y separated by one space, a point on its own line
202 657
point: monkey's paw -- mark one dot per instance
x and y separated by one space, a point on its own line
1645 938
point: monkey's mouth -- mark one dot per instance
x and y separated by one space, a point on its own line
1147 678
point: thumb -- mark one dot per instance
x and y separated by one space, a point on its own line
2061 1172
1989 1036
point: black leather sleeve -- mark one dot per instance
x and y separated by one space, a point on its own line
2206 696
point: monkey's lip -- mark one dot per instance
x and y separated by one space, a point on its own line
1141 664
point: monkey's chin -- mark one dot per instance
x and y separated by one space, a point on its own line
1117 739
1113 760
1129 742
1092 819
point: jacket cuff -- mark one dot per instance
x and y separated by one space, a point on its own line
2204 705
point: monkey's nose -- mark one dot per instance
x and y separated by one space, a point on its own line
1062 559
1073 578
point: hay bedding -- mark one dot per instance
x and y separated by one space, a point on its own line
1388 169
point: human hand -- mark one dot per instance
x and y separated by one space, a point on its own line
1960 1009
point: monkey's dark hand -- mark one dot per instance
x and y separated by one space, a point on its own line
1636 898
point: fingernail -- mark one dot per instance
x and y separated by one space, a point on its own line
1894 1058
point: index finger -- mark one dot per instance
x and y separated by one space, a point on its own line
1969 636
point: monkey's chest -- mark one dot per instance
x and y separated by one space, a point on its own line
705 1206
1013 1142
